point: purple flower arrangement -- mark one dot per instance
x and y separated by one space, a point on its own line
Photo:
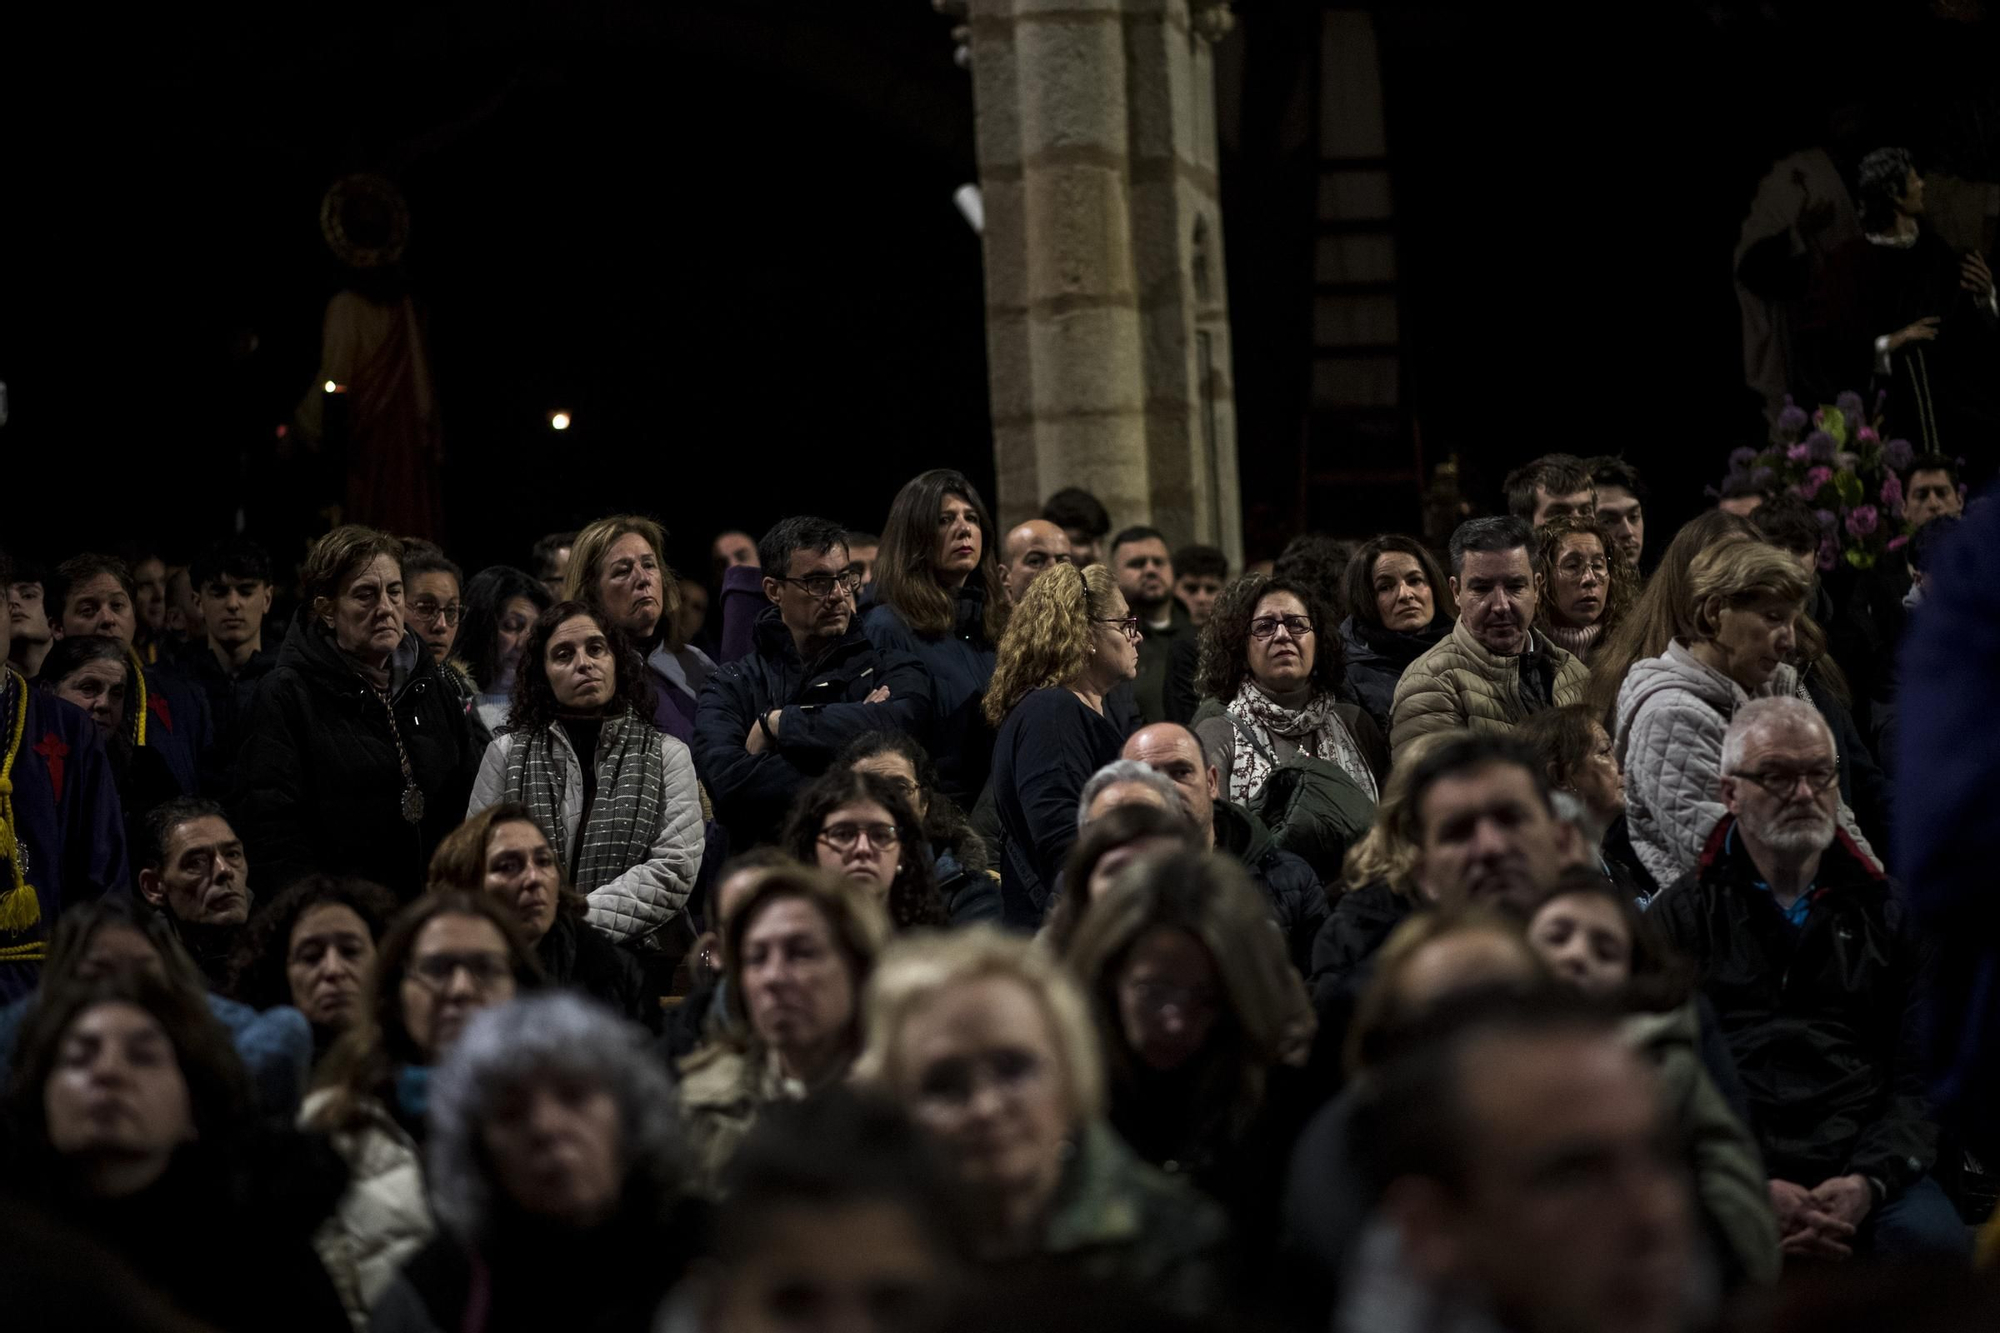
1835 459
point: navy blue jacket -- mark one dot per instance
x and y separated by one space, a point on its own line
1949 697
960 664
178 727
229 699
1048 747
68 817
823 711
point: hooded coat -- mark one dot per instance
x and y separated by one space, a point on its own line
319 786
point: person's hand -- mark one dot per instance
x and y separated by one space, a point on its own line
755 742
1974 276
1805 1229
1923 331
879 695
1847 1198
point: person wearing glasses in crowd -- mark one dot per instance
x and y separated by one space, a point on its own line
1270 675
433 604
1071 641
858 826
1582 583
772 721
967 882
448 956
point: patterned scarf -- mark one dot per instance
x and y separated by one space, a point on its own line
1316 729
628 813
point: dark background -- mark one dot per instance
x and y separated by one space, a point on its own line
721 235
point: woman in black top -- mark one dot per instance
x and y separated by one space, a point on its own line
1071 641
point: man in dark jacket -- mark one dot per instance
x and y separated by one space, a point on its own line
228 659
1298 903
1145 571
774 720
95 594
194 873
1805 951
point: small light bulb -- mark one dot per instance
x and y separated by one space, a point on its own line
558 421
331 387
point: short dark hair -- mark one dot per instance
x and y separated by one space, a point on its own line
422 557
798 533
1138 532
1930 539
1788 523
1558 474
855 537
232 555
1416 1121
1319 562
1880 183
841 1147
1739 485
1464 754
82 569
1611 470
1201 562
1072 507
1501 532
542 555
1932 463
1660 979
757 858
157 829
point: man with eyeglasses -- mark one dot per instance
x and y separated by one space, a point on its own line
1803 947
1495 669
773 720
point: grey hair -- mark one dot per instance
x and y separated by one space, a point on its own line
1503 532
1776 712
554 1032
1121 771
1570 809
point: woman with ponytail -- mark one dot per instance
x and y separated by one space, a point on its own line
1071 640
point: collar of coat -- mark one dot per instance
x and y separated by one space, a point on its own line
1494 665
1841 863
774 641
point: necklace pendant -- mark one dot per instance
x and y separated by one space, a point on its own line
413 804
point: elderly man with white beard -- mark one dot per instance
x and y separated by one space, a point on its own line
1805 951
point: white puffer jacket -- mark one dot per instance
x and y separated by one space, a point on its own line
1672 713
385 1215
647 896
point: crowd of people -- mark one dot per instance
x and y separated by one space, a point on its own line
953 926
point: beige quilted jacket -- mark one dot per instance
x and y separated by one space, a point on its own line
1458 683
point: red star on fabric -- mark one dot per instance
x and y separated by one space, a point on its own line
156 704
53 750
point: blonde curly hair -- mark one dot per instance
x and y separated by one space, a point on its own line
1048 637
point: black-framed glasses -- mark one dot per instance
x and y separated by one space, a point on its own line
845 837
821 586
487 969
1129 626
1782 783
1265 627
428 610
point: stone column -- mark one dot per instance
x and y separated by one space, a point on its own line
1107 312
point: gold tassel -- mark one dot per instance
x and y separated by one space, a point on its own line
20 909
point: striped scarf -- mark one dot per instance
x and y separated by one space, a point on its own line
628 813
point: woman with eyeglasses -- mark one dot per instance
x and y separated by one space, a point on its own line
989 1044
449 955
1270 679
1583 585
858 826
967 884
615 797
1071 641
797 950
619 568
938 597
357 756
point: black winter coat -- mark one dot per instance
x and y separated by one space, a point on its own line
1298 903
1375 659
230 701
1048 747
318 783
578 956
959 665
1823 1021
823 711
